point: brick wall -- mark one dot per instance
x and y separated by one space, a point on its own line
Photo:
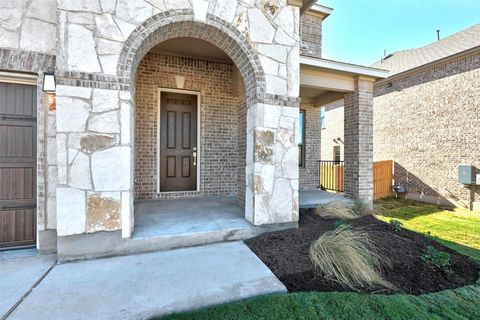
242 138
309 172
219 121
333 130
358 132
428 123
311 35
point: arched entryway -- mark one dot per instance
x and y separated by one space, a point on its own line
202 78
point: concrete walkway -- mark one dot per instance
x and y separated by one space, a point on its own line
19 271
146 285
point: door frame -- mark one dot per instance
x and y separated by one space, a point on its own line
159 107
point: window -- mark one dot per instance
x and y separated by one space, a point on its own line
322 118
336 154
301 144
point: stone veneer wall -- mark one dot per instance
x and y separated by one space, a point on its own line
428 123
28 25
311 35
333 130
94 139
218 119
100 44
92 33
309 173
273 177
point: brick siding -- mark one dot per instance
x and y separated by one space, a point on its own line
425 121
219 121
358 133
242 140
309 178
431 127
311 36
333 130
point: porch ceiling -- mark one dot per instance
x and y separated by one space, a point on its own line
328 80
192 47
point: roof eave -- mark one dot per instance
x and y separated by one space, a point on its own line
430 64
344 67
320 10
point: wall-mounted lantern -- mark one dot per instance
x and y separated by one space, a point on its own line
50 86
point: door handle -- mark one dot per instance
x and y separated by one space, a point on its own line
194 158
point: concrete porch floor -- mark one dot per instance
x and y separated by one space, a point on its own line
172 217
170 224
177 223
205 215
313 198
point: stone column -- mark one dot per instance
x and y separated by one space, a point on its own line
272 164
358 133
94 160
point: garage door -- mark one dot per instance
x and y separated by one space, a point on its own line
18 125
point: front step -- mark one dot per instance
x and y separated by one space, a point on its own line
106 244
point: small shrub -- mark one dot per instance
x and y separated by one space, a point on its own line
341 224
396 225
339 209
348 257
438 260
362 208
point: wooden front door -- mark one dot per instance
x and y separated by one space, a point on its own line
18 127
178 142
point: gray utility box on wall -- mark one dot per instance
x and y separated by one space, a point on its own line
466 174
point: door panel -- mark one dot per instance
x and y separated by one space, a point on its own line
17 164
178 142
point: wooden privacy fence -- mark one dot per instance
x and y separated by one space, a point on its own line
382 179
332 177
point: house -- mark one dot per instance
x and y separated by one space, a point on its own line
426 118
158 100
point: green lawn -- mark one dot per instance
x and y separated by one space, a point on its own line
456 304
458 229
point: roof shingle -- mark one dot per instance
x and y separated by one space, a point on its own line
408 59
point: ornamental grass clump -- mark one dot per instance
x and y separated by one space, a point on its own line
343 209
348 257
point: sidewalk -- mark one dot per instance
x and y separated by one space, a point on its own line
141 286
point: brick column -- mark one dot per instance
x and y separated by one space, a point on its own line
358 133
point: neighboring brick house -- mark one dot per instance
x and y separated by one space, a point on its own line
164 99
426 118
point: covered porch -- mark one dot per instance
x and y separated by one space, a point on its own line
205 220
322 82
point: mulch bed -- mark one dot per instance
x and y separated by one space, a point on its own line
286 254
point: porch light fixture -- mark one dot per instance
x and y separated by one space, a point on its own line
49 86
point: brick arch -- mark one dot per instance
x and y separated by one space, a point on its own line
175 24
